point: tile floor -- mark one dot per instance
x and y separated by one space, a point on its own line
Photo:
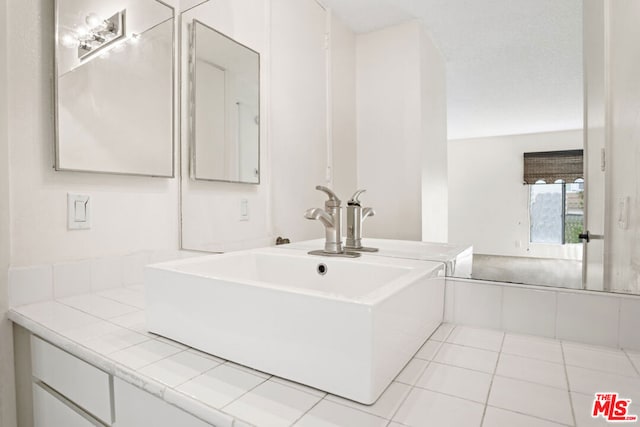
462 376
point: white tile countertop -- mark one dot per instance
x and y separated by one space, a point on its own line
461 376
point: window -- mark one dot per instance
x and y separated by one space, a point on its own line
556 212
556 195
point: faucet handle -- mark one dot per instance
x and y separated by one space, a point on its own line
354 201
333 201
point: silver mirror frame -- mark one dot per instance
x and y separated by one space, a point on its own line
192 104
174 99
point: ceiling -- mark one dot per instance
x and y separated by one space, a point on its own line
513 66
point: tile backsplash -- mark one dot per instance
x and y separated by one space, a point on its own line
28 285
596 318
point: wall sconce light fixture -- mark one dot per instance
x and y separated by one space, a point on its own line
97 35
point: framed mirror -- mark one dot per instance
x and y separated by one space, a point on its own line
225 120
114 87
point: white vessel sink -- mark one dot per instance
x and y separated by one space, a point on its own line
459 259
348 331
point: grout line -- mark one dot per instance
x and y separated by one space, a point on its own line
566 374
637 368
355 408
493 376
307 411
530 416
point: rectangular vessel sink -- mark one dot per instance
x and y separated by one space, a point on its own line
345 326
459 259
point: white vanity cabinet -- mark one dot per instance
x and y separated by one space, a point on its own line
65 386
136 408
69 392
51 410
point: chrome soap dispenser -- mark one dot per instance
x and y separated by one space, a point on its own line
356 215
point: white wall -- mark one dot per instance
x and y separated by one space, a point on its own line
488 204
211 210
401 139
343 109
129 213
624 150
7 391
594 52
298 125
435 187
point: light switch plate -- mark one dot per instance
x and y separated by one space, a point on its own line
78 211
244 210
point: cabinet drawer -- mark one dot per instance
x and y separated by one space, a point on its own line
137 408
49 411
85 385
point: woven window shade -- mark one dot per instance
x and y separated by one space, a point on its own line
550 166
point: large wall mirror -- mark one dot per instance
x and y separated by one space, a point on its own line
114 85
225 120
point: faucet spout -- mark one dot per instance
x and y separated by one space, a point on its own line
320 215
367 212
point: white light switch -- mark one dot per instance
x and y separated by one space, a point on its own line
244 210
78 211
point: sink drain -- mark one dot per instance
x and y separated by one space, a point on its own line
322 269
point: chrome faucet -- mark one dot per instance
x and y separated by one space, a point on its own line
331 218
355 217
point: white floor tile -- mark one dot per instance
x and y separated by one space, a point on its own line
460 382
272 405
600 359
97 306
248 370
635 359
143 354
385 406
329 414
589 382
496 417
531 399
121 295
92 331
534 347
115 341
442 332
412 371
299 386
534 370
427 408
428 350
136 321
179 368
171 342
467 357
57 317
220 386
479 338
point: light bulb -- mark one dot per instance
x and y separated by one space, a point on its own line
135 38
69 41
82 31
94 21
